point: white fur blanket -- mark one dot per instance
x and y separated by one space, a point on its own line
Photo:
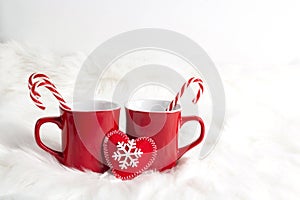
257 157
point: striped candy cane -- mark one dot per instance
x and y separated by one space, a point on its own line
44 81
184 86
37 76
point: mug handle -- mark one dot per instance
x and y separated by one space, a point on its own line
184 149
56 120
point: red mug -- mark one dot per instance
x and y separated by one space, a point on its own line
83 131
149 118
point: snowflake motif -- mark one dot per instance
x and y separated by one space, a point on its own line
127 154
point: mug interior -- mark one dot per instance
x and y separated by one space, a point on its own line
151 106
94 105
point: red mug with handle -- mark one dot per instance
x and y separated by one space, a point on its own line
83 131
149 118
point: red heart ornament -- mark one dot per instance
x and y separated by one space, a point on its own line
128 158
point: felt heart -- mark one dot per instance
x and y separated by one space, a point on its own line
128 158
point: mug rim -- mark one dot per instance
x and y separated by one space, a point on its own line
114 106
129 107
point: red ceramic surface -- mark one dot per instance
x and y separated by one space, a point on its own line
163 127
82 137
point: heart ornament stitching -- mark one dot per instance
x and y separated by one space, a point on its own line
128 157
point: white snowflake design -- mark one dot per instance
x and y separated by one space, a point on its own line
127 154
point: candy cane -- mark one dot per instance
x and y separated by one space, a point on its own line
44 82
184 86
38 76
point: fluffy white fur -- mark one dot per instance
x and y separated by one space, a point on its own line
257 157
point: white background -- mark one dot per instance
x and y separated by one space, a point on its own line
256 47
232 31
